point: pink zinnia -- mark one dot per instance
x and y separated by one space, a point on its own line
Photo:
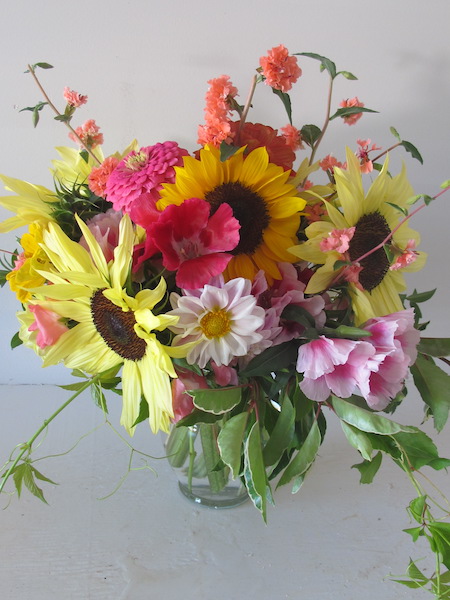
350 102
194 244
280 69
48 325
99 176
89 134
142 172
74 98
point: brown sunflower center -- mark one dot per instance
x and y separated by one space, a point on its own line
248 207
116 328
371 230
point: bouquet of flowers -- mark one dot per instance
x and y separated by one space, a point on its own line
230 297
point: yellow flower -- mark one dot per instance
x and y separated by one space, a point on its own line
112 328
374 218
262 200
33 258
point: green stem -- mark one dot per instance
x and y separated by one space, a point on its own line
325 125
28 445
192 434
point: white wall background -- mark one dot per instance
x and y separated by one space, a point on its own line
145 64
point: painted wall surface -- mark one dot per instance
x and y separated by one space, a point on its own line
145 67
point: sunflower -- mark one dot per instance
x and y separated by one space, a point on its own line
265 204
112 328
374 217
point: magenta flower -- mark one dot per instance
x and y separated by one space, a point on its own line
105 229
142 172
194 244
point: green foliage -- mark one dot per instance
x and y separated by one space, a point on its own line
227 151
433 384
350 110
272 359
304 458
230 440
310 134
216 401
369 468
407 146
26 474
15 341
436 347
35 110
285 99
254 471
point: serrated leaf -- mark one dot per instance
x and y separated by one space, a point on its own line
358 440
433 385
368 469
272 359
281 435
254 471
436 347
286 100
28 480
325 63
304 457
441 536
230 441
412 150
217 401
420 450
350 110
366 421
310 134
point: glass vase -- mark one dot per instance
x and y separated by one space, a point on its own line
202 477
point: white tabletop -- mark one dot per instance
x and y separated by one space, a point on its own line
335 539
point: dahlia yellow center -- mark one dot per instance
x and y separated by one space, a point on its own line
136 161
216 323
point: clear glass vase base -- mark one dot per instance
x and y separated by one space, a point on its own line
228 497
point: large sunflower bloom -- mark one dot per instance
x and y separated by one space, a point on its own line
265 204
112 327
376 293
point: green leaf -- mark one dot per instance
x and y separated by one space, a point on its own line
73 387
420 450
368 469
304 457
347 75
366 421
272 359
417 508
217 478
420 296
30 483
198 416
441 536
143 412
395 133
285 99
230 441
325 63
42 65
254 471
414 532
433 385
350 110
310 134
400 209
417 578
358 440
15 341
177 445
217 401
412 150
42 477
346 332
445 184
294 312
436 347
227 151
281 435
18 474
98 396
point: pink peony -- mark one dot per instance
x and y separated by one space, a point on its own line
99 176
142 172
105 229
395 340
194 244
74 98
280 69
89 134
48 325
